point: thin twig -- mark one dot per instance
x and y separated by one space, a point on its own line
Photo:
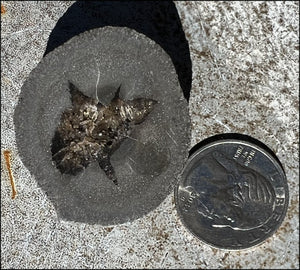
7 160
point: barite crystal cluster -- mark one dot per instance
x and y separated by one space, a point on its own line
90 131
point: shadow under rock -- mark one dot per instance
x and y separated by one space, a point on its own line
159 21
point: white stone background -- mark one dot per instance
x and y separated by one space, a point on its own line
245 58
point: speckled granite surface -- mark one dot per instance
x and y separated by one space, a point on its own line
245 79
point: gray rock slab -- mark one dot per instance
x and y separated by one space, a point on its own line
147 165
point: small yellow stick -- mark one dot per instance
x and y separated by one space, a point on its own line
7 160
3 10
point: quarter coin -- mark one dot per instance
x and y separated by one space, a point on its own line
233 193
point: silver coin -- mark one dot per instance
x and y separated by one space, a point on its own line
233 194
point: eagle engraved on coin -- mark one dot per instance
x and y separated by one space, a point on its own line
90 131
